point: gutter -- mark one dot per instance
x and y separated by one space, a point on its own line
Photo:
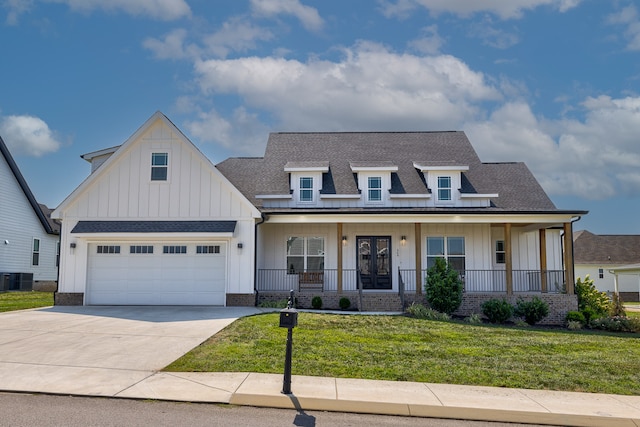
263 218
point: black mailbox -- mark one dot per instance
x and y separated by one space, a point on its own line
289 318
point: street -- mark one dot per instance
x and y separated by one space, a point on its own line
20 410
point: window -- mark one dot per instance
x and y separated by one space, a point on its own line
374 189
444 188
35 258
174 249
451 249
159 163
305 254
500 252
105 249
306 189
140 249
208 249
58 253
601 273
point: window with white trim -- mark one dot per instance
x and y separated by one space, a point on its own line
306 189
174 249
211 249
444 188
305 254
374 189
159 166
107 249
601 273
35 256
140 249
451 249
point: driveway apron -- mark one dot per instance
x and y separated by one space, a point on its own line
100 350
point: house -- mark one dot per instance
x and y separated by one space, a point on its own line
156 223
603 257
29 239
360 215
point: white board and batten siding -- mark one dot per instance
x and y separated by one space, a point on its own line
121 189
19 225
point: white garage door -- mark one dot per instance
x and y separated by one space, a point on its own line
156 274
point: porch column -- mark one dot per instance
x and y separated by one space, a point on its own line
568 257
339 239
508 258
543 260
418 240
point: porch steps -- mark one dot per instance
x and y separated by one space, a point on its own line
381 302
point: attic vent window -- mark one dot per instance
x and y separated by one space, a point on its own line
159 163
444 188
375 188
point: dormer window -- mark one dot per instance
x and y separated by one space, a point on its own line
306 189
444 188
374 189
159 166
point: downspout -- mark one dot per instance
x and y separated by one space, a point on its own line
263 218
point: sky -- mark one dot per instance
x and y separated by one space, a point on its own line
552 83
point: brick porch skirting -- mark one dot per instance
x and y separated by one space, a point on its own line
68 298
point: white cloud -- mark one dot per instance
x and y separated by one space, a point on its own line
505 9
15 8
308 16
430 42
595 158
164 10
171 46
370 88
492 36
28 135
628 17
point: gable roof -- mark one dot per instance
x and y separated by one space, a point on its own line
517 188
119 151
589 248
44 217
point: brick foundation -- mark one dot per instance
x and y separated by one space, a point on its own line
45 285
241 300
68 298
630 296
559 304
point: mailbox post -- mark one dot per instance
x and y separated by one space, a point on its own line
289 320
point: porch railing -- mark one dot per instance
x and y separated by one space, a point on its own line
479 281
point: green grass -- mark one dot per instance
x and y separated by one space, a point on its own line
406 349
10 301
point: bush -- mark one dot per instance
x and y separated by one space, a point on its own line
316 302
589 314
574 325
273 304
497 310
473 319
532 311
419 311
617 324
344 303
576 316
617 307
589 298
443 287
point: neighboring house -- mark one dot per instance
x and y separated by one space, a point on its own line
602 256
319 214
29 239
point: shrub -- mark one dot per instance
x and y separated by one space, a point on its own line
532 311
443 287
344 303
473 319
419 311
589 314
591 298
316 302
617 324
273 304
617 307
576 316
497 310
574 325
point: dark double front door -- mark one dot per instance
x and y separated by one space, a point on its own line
374 261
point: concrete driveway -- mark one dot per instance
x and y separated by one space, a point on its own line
100 350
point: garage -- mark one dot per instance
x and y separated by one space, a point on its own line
156 273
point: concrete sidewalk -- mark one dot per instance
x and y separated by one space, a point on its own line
117 352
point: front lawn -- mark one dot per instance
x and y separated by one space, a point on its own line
405 349
10 301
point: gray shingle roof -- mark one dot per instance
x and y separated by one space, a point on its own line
589 248
154 227
517 188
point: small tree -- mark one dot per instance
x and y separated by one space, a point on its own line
592 300
443 287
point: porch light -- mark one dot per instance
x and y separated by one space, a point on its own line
403 240
344 240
